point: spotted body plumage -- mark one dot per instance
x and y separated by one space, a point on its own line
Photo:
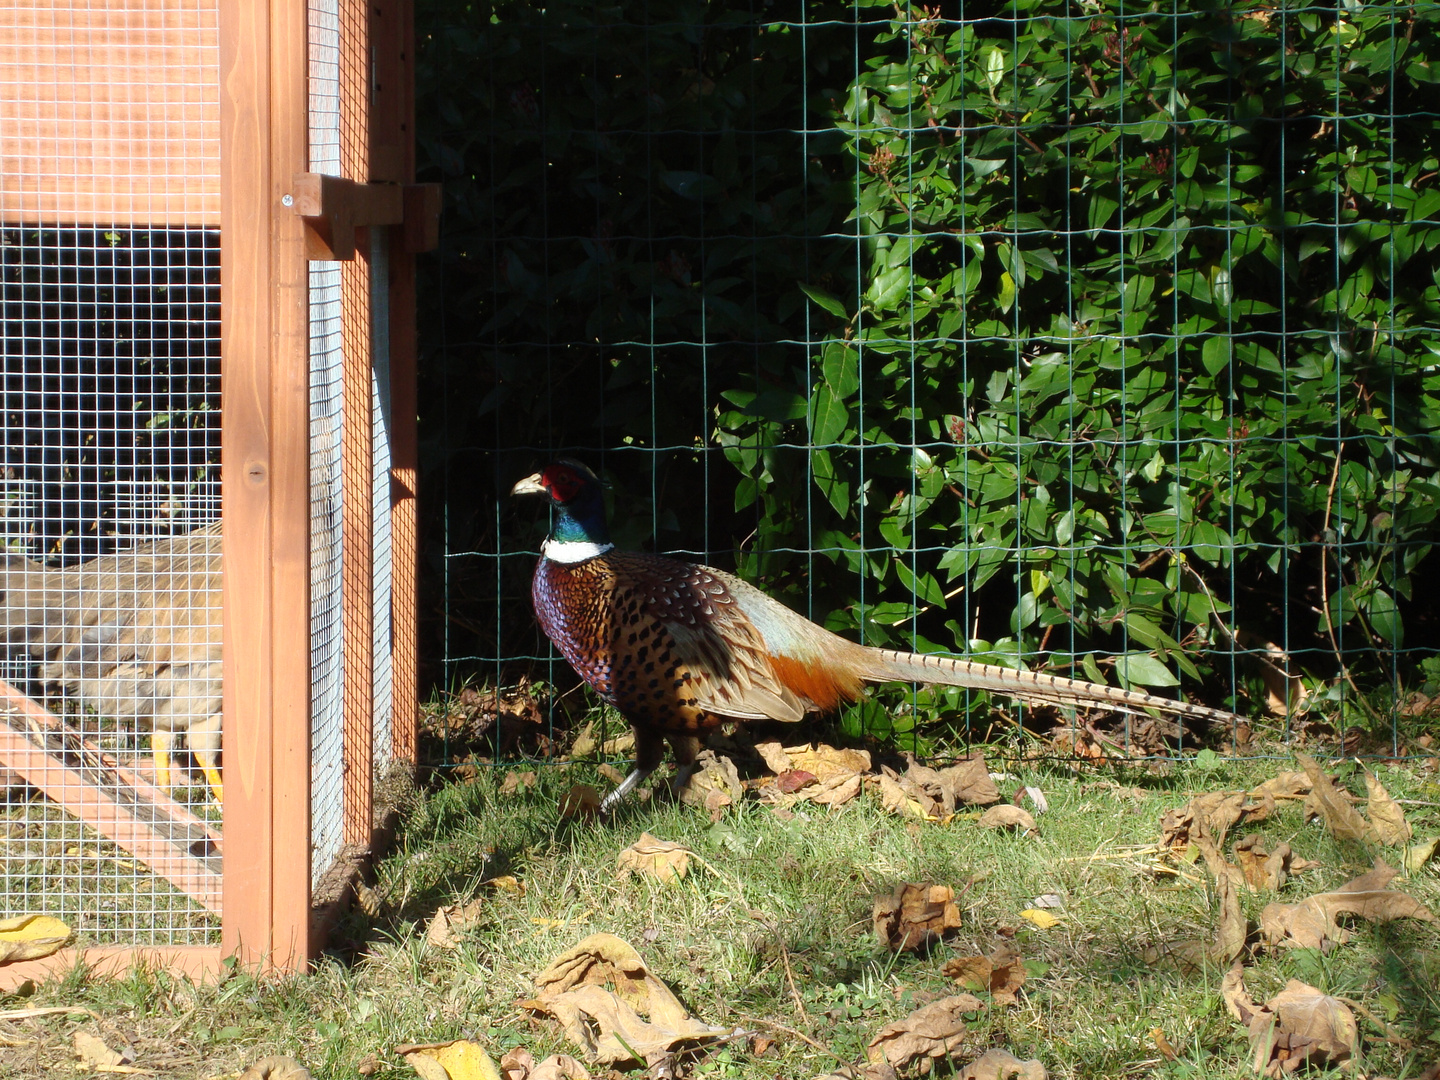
680 648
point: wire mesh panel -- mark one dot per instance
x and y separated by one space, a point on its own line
327 641
382 426
1081 337
110 733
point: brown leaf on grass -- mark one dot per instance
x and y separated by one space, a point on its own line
559 1067
440 931
660 859
792 780
1298 1026
913 916
715 783
276 1067
1213 814
1331 804
31 937
1384 813
927 1035
519 1064
902 797
1001 974
1265 869
459 1059
514 781
836 791
1008 817
612 1007
1417 855
1002 1065
1289 784
966 783
94 1054
580 802
1311 924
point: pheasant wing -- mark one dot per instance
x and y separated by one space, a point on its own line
706 640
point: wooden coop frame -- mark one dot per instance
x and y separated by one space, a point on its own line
276 213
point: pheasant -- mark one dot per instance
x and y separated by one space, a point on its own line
680 649
134 635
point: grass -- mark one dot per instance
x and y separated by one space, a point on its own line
776 934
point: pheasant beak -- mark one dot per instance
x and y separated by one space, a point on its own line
531 485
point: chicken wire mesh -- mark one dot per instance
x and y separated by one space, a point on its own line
110 787
1087 337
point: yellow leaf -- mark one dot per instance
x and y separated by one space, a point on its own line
1417 855
30 937
458 1060
1040 917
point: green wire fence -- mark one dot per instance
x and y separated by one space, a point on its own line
1094 337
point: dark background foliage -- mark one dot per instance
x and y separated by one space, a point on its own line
1074 333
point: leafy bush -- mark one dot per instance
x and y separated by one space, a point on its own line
1071 336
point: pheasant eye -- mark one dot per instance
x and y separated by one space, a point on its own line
564 485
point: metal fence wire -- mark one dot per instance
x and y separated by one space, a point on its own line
109 484
1092 337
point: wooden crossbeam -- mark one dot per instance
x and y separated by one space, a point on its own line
128 810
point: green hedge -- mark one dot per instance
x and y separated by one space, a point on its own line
1068 336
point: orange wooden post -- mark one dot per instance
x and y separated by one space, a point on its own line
265 479
357 468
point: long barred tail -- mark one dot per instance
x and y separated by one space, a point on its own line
1030 685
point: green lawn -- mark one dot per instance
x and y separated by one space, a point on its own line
772 934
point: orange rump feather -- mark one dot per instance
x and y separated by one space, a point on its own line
825 687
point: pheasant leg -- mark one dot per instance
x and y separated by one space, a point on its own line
162 744
649 752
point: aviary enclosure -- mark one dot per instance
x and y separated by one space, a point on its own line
1092 337
209 522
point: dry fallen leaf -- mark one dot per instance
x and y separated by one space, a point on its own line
514 781
581 801
902 797
519 1064
715 784
1039 917
559 1067
94 1054
1298 1026
1008 817
31 937
1417 855
457 1060
927 1035
1311 924
602 993
276 1067
1002 1065
660 859
440 931
1213 814
1264 869
914 916
1384 814
1001 974
1331 804
836 791
824 762
1290 784
966 783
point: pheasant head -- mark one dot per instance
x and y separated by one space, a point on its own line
577 528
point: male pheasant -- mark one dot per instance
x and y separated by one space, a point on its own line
680 648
